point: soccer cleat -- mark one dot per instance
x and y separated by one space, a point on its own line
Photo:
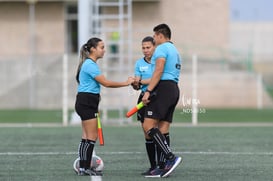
155 173
82 173
99 173
147 172
92 172
171 165
89 172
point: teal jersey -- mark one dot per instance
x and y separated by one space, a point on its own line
173 61
143 70
88 72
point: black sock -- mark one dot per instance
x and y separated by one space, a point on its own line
81 152
160 156
150 148
161 142
88 151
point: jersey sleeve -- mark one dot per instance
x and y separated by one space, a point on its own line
160 52
137 72
95 70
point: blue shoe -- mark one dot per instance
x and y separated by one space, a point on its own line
170 166
155 173
147 172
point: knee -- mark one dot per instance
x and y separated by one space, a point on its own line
149 124
164 127
92 136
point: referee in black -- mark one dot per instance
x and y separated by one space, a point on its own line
166 63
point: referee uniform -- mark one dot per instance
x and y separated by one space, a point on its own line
167 90
86 106
143 70
88 96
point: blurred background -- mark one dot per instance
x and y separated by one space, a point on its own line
226 46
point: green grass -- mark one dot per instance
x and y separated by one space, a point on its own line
236 115
30 116
181 115
270 91
209 153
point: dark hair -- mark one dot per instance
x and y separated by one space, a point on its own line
164 29
84 53
148 39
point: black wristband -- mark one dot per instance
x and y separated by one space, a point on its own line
148 91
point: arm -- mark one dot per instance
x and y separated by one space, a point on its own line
145 81
112 84
159 67
138 82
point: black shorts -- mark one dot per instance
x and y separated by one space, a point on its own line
141 112
163 104
87 105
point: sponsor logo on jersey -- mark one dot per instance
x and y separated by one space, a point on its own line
144 68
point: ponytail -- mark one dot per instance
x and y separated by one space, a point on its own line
84 53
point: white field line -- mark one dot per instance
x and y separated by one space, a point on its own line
234 124
132 153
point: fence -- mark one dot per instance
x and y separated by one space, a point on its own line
221 83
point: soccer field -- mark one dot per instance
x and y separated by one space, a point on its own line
26 116
209 153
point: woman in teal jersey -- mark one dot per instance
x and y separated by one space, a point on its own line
166 63
90 78
143 73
